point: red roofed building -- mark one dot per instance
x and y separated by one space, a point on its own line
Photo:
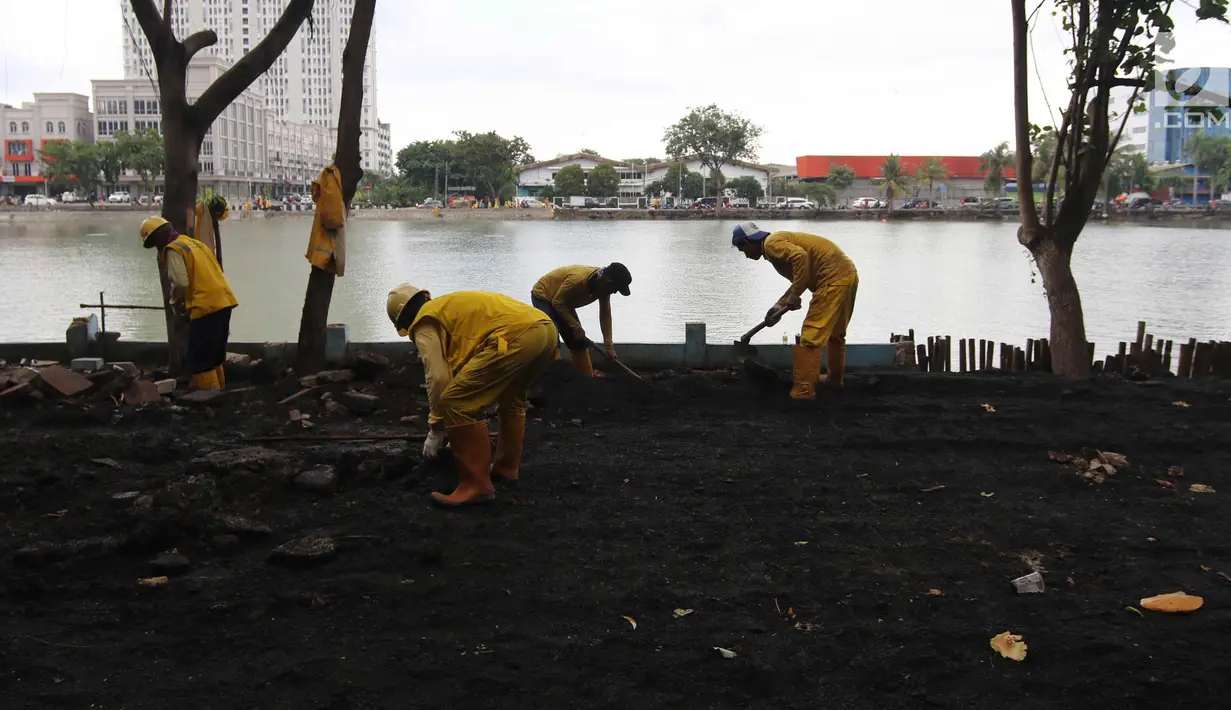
965 176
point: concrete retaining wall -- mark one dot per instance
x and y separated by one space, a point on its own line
694 352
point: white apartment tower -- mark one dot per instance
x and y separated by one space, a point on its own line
303 86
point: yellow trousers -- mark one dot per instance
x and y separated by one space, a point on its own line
492 377
829 312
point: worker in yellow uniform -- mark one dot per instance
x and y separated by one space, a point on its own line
562 291
199 289
813 264
478 349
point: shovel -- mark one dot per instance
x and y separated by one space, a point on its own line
619 364
747 353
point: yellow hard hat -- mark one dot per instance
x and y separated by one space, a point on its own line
148 227
398 298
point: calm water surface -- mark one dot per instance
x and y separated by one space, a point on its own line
961 279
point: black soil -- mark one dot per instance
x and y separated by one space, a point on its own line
806 539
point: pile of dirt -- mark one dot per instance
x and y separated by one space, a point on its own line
857 550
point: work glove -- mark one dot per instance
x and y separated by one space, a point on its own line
433 445
772 316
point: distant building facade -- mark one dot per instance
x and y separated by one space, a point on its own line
25 129
634 177
966 177
1187 101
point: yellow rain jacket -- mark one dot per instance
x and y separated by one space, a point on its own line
479 349
817 265
567 289
207 290
327 245
203 230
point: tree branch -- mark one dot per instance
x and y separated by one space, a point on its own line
231 84
350 112
1021 101
198 41
151 23
166 13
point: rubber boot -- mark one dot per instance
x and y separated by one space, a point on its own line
472 456
509 443
222 377
207 380
807 370
835 364
581 361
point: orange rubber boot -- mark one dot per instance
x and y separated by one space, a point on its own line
807 371
835 363
472 456
581 361
509 443
222 378
207 380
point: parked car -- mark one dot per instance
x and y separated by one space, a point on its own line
36 200
70 197
529 202
866 203
796 203
971 202
920 204
429 204
119 198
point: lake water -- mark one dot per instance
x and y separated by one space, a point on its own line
961 279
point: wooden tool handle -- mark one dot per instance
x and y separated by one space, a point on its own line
764 324
619 364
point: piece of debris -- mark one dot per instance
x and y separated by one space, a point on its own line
681 613
1009 645
1173 603
575 422
63 381
300 393
106 462
166 386
1164 483
1029 584
368 365
931 489
1175 471
1059 457
1200 488
322 479
987 495
1093 465
360 403
170 563
141 391
726 652
153 581
243 527
294 415
800 543
238 359
412 419
1181 404
201 398
86 364
304 552
935 593
1136 611
988 408
334 376
632 622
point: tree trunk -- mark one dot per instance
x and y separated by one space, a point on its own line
1069 350
180 144
313 324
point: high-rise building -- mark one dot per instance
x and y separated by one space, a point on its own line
304 85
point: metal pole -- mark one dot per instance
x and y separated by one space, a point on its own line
102 307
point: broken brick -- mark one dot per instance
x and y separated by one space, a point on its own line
201 397
141 392
64 381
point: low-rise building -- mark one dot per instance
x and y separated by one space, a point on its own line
635 177
763 174
296 154
25 129
966 176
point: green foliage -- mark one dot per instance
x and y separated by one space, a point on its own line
1210 155
570 181
546 193
748 188
588 151
715 137
993 163
638 162
822 193
603 181
72 164
678 181
112 162
894 178
930 173
1128 171
484 160
142 153
840 177
426 162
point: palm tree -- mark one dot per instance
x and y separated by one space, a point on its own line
993 164
894 179
930 172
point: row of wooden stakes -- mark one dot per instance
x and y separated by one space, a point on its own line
1145 354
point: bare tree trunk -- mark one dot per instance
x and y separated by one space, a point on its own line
184 125
313 323
1069 351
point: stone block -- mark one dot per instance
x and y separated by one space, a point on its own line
80 333
129 368
335 342
201 397
166 386
238 358
86 364
63 381
141 392
322 479
360 403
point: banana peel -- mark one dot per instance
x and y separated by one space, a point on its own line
1173 603
1009 645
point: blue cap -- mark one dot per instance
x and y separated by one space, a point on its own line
747 231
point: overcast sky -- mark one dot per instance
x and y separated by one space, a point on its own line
846 77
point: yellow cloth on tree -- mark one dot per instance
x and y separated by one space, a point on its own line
327 244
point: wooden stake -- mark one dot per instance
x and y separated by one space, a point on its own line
1141 333
1122 359
1019 360
1167 356
970 346
961 355
948 353
991 348
982 354
921 355
1184 368
931 354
